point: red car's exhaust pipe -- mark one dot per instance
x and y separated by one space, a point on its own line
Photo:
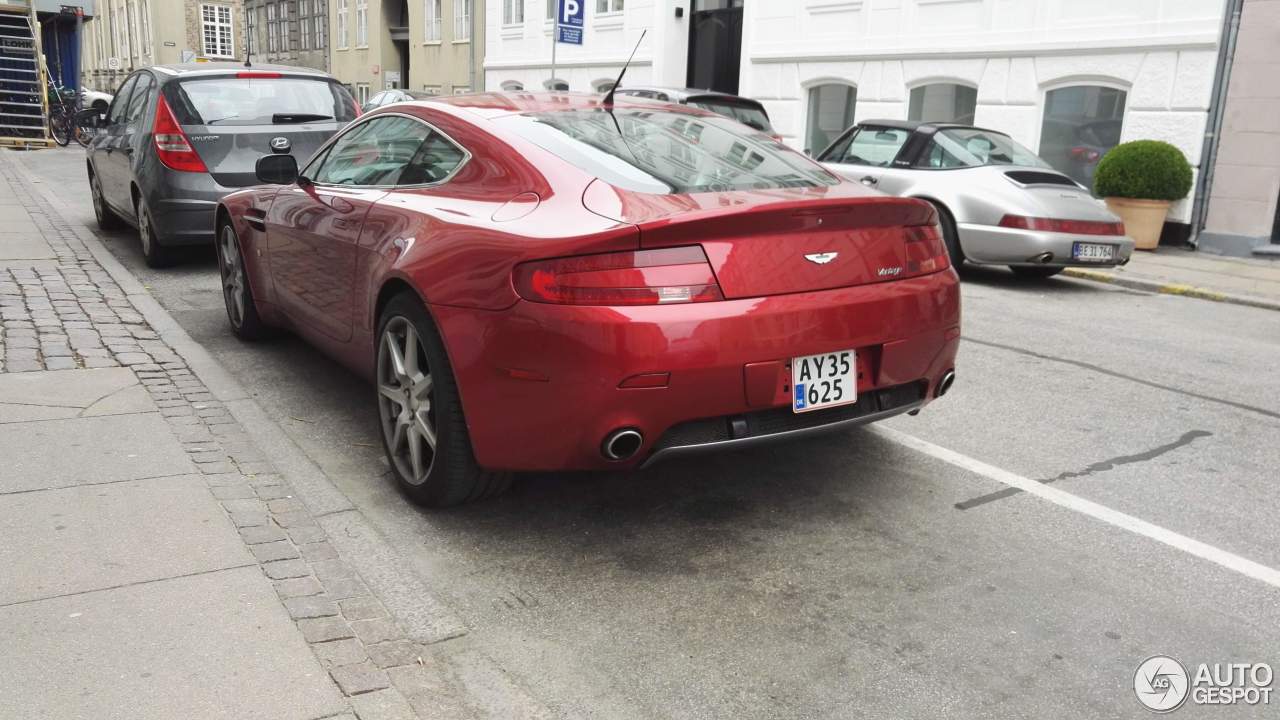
948 379
622 444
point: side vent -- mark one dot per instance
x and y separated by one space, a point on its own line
1037 177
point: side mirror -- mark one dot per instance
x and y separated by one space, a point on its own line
276 169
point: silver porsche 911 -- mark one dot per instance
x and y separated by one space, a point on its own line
998 203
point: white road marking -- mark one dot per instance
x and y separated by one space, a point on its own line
1228 560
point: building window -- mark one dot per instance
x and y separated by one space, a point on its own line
273 29
362 93
342 24
512 86
304 24
943 102
556 85
461 20
1081 123
461 90
830 113
362 23
603 86
432 8
144 23
119 35
512 12
216 31
608 6
322 23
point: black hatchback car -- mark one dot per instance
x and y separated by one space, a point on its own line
745 110
177 138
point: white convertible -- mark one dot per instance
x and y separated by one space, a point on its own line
998 203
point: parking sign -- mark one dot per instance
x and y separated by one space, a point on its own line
570 20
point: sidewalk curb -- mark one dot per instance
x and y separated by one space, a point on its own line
426 619
1161 288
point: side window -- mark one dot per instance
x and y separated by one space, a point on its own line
435 161
138 103
120 103
376 100
870 146
377 152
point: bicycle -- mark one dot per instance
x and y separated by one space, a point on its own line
64 117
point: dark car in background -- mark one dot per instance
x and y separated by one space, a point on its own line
745 110
386 97
177 138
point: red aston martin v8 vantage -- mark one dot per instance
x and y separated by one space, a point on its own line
548 282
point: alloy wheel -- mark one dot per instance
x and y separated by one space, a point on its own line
405 400
144 229
96 194
233 280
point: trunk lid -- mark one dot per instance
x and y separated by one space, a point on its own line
772 242
231 152
232 118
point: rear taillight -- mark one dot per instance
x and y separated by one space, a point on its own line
172 146
1075 227
643 277
356 105
925 251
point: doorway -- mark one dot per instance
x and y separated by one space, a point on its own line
715 45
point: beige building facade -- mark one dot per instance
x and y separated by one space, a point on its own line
426 45
1243 214
289 32
128 34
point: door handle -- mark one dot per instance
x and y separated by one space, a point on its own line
869 180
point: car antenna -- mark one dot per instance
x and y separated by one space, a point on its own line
608 98
248 40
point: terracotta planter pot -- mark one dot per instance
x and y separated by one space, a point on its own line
1143 219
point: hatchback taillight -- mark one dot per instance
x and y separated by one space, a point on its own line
925 251
1075 227
172 146
642 277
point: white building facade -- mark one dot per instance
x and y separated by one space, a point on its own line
1067 78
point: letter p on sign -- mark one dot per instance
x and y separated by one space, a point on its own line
570 11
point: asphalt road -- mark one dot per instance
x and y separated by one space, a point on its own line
860 575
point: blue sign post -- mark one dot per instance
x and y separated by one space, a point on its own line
570 19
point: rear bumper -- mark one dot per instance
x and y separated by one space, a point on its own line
994 245
541 383
183 205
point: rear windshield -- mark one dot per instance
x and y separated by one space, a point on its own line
971 147
259 101
752 117
656 151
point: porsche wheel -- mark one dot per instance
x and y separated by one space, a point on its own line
423 431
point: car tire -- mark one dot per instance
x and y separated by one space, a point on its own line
237 294
1034 271
107 219
950 237
156 255
416 403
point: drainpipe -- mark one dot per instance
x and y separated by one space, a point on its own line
1213 123
471 47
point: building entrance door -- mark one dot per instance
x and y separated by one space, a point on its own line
715 45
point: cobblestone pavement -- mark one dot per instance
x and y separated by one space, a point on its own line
69 314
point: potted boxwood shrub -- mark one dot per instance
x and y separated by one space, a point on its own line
1139 180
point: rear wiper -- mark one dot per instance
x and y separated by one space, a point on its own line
298 117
